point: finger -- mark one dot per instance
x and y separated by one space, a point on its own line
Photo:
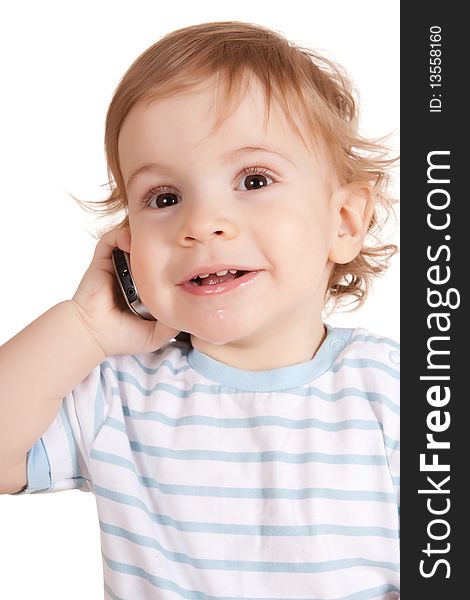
116 238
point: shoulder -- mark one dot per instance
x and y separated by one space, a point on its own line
124 381
126 377
367 345
376 358
371 362
169 359
368 361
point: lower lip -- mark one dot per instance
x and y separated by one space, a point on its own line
220 288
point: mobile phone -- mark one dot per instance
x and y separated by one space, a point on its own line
122 267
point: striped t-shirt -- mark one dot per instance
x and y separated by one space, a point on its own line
215 483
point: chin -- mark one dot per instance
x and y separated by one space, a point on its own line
219 332
218 338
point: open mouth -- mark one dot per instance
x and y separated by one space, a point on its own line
216 278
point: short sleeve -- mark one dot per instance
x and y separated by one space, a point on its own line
59 459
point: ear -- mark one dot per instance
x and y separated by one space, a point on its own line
354 209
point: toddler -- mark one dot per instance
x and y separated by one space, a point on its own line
237 446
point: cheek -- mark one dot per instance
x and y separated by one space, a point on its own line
297 243
148 266
148 244
296 231
139 256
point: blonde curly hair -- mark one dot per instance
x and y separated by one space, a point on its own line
301 82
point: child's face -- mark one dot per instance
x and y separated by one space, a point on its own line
205 216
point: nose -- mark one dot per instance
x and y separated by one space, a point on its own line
205 222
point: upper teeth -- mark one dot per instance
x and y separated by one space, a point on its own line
219 273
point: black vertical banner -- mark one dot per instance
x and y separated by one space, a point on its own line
435 263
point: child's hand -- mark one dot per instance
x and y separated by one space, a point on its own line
103 311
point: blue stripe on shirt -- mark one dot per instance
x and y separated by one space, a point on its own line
246 565
166 584
243 529
240 492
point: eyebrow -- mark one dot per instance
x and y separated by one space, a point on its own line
226 157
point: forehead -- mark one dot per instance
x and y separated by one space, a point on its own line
205 119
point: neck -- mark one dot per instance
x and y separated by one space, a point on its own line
290 344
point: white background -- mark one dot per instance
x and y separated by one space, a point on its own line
60 64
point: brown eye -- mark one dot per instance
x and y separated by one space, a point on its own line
161 197
166 199
255 182
254 178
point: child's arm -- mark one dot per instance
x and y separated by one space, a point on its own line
47 359
39 366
